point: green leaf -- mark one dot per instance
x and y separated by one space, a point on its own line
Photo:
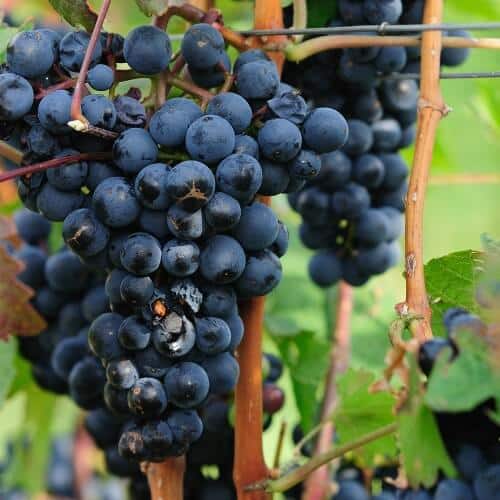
6 33
7 367
76 12
422 450
306 357
152 7
360 412
467 381
450 282
319 13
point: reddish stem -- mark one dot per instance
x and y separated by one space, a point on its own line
318 483
66 84
54 163
76 104
166 478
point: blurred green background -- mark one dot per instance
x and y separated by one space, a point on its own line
456 216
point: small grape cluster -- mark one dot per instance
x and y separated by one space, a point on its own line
351 211
171 215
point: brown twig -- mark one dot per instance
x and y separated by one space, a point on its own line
301 51
188 87
76 104
54 163
430 111
318 483
66 84
166 478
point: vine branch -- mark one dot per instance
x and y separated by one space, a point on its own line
430 111
166 479
298 474
317 484
301 51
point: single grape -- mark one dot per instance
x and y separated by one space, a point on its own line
147 50
84 233
257 79
180 258
186 385
133 150
183 224
151 186
261 275
101 77
141 254
202 46
72 50
99 111
54 111
279 140
16 97
233 108
136 290
212 335
121 373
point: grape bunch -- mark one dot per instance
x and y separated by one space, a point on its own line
171 215
351 211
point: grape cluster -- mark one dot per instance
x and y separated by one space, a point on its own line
172 218
351 211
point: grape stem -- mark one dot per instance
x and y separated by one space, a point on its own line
431 109
318 483
54 163
279 445
188 87
298 474
301 51
76 104
166 479
66 84
299 18
11 153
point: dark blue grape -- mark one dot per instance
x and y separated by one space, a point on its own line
360 138
174 336
325 268
186 426
180 258
72 50
222 212
351 490
382 11
186 385
453 56
399 95
257 228
387 135
222 260
257 79
223 372
31 227
147 50
202 46
147 398
335 171
154 222
367 107
368 170
289 105
395 171
157 438
65 272
134 335
191 184
84 233
151 363
280 245
30 53
129 112
240 176
275 178
151 185
453 489
94 303
219 301
395 222
103 336
116 403
34 260
185 225
391 59
279 140
136 290
54 111
41 143
168 126
306 165
121 373
141 254
470 461
97 172
131 444
233 108
363 76
16 97
212 335
351 200
250 56
371 227
245 144
101 77
133 150
99 111
69 177
210 139
325 130
114 202
375 260
261 275
212 77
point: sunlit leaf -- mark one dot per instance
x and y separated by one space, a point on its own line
153 7
76 12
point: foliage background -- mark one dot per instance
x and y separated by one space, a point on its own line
299 316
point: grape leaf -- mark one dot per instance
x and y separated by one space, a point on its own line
423 453
306 357
450 282
153 7
6 33
17 315
360 412
469 380
76 12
